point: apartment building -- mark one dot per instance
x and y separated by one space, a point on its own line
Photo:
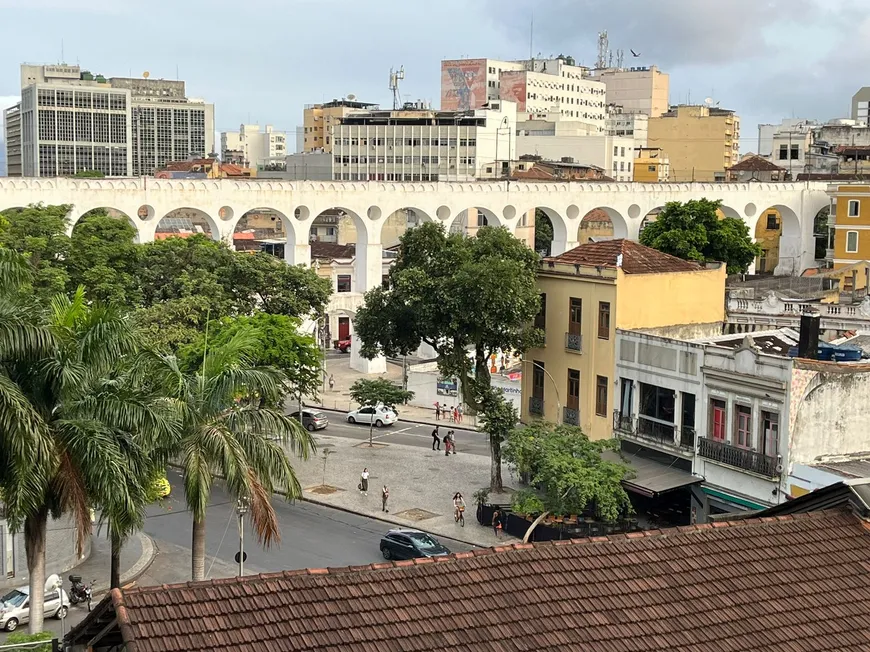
701 142
651 165
636 89
12 140
849 221
587 293
254 148
627 125
320 119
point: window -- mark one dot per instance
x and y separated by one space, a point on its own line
795 151
385 281
783 152
538 380
574 316
573 389
615 150
743 427
622 151
541 317
651 168
772 224
717 419
851 242
603 320
854 208
343 284
601 396
769 439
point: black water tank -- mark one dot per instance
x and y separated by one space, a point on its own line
808 343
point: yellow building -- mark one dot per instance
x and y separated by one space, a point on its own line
850 221
651 165
701 141
319 119
587 293
768 230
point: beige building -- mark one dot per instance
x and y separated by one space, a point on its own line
701 142
319 120
637 90
588 292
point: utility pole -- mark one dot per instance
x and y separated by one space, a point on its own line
242 509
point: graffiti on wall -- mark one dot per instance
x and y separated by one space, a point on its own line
463 84
513 88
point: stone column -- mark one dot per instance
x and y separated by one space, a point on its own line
368 271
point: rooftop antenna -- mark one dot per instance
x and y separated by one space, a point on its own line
62 58
395 77
531 37
603 50
620 55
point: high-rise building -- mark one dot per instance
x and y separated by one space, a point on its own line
636 90
12 140
254 148
701 142
861 105
320 119
71 121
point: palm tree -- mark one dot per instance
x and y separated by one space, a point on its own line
231 429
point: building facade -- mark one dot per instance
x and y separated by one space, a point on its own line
566 92
701 142
320 119
861 105
637 90
651 165
254 148
587 293
12 140
849 219
628 125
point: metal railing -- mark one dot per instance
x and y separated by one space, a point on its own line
571 416
741 458
536 405
622 422
687 437
655 430
574 342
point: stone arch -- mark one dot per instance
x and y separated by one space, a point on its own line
469 220
823 235
729 211
602 223
77 215
532 220
185 221
266 229
777 229
398 220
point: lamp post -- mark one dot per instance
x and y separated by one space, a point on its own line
504 122
555 386
242 509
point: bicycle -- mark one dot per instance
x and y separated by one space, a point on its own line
459 516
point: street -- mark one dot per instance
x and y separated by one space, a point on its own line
405 432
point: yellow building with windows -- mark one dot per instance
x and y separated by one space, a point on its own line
702 142
850 223
768 231
651 165
587 293
318 121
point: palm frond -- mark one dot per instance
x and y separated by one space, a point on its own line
14 270
263 516
69 486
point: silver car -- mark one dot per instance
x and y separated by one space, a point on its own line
15 607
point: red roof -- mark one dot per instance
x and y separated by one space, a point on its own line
636 258
798 582
756 164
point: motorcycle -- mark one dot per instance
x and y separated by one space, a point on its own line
80 592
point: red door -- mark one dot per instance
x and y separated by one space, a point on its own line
343 328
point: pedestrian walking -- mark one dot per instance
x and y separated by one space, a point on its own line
385 495
459 412
496 522
364 482
436 440
437 411
455 415
331 382
448 443
452 436
450 413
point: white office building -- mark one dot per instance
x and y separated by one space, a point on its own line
254 148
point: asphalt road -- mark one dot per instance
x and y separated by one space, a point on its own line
405 432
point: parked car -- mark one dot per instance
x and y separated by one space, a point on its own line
410 544
311 419
15 607
344 345
379 415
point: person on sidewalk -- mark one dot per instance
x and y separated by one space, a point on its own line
385 496
459 413
448 442
455 415
331 382
364 482
437 411
496 522
452 436
436 440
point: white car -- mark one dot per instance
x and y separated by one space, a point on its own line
15 606
380 416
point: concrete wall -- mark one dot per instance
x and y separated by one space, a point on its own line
423 381
696 143
60 552
686 331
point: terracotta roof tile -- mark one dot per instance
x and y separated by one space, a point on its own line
636 258
756 164
799 584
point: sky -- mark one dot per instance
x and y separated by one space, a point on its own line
261 61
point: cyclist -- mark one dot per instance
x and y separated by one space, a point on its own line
458 506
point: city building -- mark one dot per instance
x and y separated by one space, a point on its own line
738 412
302 166
861 105
630 125
637 90
755 168
534 168
588 292
204 168
651 165
767 132
849 220
73 121
12 140
417 143
251 147
320 119
701 141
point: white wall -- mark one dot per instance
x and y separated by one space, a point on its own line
423 381
590 150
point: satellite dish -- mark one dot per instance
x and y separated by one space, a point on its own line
146 74
351 97
708 101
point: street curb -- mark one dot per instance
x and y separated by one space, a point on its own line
142 564
461 426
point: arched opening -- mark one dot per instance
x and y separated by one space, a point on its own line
97 223
601 223
542 231
649 218
399 221
823 237
777 232
471 220
262 229
185 222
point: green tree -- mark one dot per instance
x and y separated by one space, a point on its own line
263 282
379 391
462 296
543 233
569 470
228 430
104 258
88 174
39 232
694 231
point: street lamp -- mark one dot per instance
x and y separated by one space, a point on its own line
242 509
555 386
505 123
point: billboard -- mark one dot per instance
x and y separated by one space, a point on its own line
513 88
463 84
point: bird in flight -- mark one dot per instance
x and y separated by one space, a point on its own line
636 54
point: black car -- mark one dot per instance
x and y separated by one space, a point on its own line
410 544
311 419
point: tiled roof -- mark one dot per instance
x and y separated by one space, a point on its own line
756 164
799 583
332 250
636 258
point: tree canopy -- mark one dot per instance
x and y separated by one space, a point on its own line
379 391
694 231
543 233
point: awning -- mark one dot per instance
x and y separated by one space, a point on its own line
652 478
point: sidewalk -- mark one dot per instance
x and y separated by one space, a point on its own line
136 556
421 484
339 399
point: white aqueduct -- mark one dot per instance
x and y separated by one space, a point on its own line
369 204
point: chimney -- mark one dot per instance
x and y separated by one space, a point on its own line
808 343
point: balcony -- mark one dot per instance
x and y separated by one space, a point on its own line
655 430
741 458
622 423
571 416
648 429
574 342
536 406
687 437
